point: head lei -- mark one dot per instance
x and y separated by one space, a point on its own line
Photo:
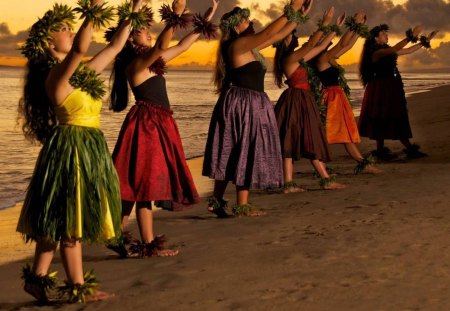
232 21
377 29
37 42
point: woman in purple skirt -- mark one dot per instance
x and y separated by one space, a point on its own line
243 144
384 113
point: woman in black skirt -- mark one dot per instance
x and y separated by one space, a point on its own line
384 114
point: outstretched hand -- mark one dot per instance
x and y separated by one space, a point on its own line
328 16
178 6
432 34
212 10
340 20
417 30
307 5
360 17
297 4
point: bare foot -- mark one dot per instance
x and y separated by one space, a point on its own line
334 186
293 190
370 169
166 253
256 213
99 296
36 291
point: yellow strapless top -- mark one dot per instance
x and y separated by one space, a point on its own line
79 108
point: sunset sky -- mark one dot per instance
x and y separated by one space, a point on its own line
16 17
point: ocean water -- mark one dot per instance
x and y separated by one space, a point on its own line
192 98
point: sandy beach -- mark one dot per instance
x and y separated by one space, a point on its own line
380 244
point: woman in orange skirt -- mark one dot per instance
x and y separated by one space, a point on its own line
340 125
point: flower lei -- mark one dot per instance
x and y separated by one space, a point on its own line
410 36
376 30
343 82
227 24
142 18
99 15
174 20
36 44
204 27
361 29
294 16
329 28
159 66
85 79
424 42
316 88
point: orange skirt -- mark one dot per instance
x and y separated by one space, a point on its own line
340 123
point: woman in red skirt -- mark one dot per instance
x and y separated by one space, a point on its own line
384 114
298 118
149 156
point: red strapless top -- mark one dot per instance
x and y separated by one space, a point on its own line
299 79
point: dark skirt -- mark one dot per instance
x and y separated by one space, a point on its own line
150 160
243 143
384 114
74 191
301 131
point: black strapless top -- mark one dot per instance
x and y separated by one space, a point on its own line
152 90
249 76
329 76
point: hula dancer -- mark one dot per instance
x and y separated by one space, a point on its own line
384 113
149 155
243 144
340 123
73 196
298 117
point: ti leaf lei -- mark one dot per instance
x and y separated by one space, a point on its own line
316 88
85 79
343 82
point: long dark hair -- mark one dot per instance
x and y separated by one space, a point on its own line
370 46
280 53
36 111
221 72
119 89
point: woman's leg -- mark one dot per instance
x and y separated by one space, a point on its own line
127 207
363 166
43 256
288 173
320 168
219 188
144 215
243 207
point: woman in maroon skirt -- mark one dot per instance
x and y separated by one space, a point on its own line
384 114
243 144
149 156
298 118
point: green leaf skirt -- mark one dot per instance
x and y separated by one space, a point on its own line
74 192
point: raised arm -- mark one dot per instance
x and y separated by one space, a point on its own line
141 64
59 76
300 53
247 43
290 26
417 47
188 40
320 47
400 45
107 55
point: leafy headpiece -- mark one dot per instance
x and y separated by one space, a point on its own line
37 42
229 23
377 29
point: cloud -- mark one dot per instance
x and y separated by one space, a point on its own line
4 29
437 57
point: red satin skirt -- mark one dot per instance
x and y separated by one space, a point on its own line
340 123
150 161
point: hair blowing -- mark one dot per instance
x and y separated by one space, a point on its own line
35 109
119 89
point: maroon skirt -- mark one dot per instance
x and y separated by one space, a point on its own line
384 114
301 131
150 161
